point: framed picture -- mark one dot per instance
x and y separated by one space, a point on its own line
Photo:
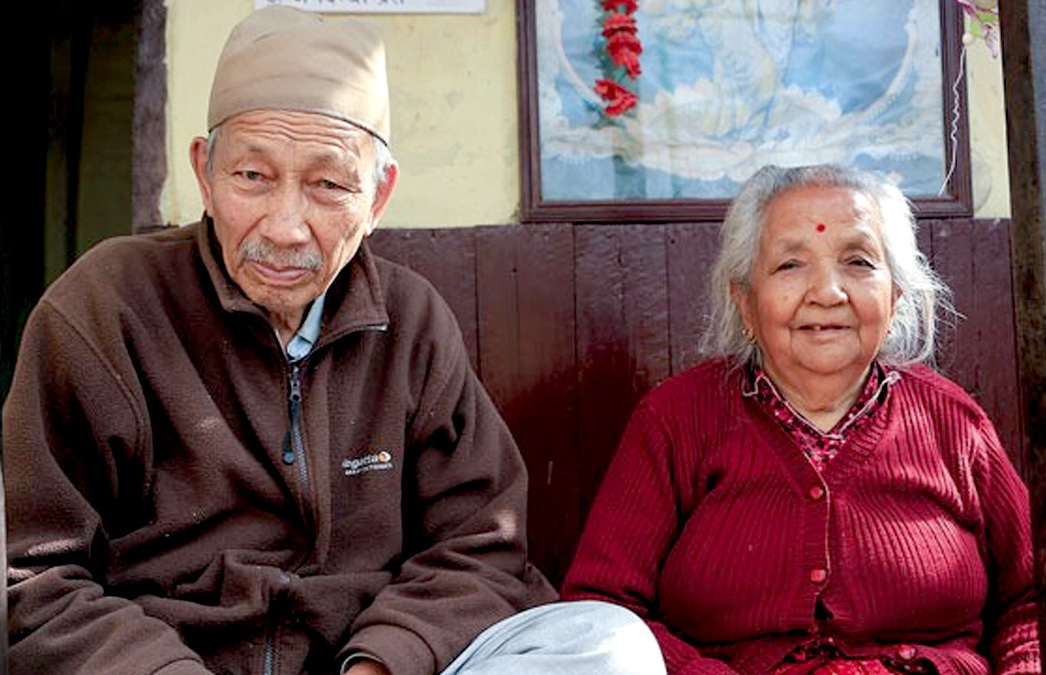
657 110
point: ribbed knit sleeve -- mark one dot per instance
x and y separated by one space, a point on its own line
1011 617
630 530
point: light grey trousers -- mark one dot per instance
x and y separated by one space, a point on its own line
564 638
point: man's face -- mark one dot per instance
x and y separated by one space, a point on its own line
292 195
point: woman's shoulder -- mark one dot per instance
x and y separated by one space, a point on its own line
710 385
927 397
927 384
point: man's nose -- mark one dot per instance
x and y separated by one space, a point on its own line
285 222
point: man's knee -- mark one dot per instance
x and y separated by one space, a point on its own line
565 637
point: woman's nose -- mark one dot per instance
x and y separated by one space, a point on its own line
826 286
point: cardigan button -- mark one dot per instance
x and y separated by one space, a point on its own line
815 493
906 652
818 575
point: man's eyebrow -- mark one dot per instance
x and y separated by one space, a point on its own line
327 158
319 159
254 149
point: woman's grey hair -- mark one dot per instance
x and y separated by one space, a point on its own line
925 302
382 156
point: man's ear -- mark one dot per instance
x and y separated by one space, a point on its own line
198 155
381 197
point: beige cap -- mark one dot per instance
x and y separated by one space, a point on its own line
284 58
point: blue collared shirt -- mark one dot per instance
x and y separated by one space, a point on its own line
305 339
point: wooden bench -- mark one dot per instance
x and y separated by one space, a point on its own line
568 326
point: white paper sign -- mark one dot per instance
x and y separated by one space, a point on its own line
382 6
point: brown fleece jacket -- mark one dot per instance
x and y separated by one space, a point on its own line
181 499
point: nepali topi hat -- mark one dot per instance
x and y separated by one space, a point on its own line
285 58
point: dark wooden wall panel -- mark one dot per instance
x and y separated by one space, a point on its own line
973 258
951 258
527 360
622 335
645 258
691 251
992 323
571 325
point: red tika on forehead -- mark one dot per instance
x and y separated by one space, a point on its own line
820 227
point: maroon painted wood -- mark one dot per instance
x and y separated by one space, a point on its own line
622 336
992 305
691 251
526 340
951 259
973 258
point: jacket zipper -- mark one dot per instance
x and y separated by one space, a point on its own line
294 443
269 657
293 452
270 651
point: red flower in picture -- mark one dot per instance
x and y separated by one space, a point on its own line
613 5
620 58
619 23
624 50
619 99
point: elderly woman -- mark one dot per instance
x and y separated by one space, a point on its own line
815 499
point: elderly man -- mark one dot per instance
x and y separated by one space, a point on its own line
250 446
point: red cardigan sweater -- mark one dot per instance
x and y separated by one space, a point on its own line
713 526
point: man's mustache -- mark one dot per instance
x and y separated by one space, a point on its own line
267 253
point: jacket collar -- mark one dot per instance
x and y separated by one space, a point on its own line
354 300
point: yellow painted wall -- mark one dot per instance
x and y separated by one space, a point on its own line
453 90
991 178
454 120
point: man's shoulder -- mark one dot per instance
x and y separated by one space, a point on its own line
407 294
419 319
134 254
121 269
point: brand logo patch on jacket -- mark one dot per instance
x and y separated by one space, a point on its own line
374 461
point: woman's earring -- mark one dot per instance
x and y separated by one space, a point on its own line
749 335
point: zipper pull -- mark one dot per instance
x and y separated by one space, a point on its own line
288 449
295 385
294 396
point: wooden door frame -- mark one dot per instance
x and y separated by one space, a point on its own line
1024 57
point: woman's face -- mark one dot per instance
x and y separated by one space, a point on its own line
820 296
